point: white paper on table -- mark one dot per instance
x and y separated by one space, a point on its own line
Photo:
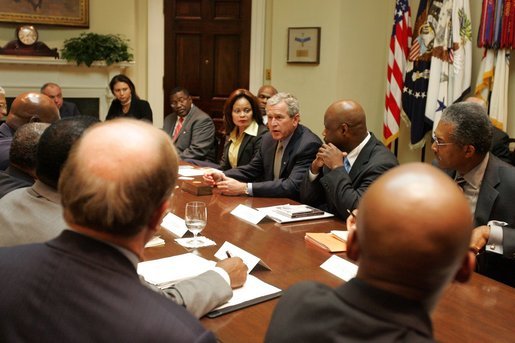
250 260
341 234
174 224
166 271
155 242
279 218
339 267
186 178
202 241
248 214
190 171
252 289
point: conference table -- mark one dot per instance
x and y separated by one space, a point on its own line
479 311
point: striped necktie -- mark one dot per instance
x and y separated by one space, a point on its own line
178 128
461 182
346 165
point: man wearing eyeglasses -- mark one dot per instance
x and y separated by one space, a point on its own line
461 145
192 130
3 104
349 161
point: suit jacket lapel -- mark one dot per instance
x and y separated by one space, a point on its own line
245 141
363 157
289 149
487 193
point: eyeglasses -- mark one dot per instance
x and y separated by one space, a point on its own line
438 143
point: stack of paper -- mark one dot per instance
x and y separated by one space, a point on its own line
167 271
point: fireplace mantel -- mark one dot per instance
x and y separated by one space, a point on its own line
23 74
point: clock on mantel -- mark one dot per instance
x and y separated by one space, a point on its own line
27 44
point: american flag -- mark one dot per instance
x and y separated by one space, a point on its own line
399 48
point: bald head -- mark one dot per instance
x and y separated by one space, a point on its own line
415 244
117 176
32 107
345 124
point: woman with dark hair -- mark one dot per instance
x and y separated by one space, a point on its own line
245 128
127 102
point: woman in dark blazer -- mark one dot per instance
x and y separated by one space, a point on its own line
245 128
127 102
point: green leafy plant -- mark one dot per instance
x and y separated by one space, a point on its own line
90 47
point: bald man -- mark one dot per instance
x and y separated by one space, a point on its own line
500 140
265 92
349 161
54 92
27 107
114 193
408 250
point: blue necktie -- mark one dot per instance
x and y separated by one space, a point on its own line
346 164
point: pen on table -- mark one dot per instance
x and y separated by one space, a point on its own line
228 254
351 213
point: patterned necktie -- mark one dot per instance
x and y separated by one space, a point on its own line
461 182
277 160
178 128
346 165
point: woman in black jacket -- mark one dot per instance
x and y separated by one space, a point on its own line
127 102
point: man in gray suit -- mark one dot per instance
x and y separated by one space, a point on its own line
461 145
54 92
191 129
332 185
34 214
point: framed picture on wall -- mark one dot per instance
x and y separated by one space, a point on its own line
303 45
62 13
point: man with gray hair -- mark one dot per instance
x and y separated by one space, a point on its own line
21 171
54 92
286 152
462 141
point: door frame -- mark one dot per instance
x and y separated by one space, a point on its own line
155 51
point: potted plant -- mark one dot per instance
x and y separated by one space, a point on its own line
91 47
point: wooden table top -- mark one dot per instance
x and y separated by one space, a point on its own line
481 310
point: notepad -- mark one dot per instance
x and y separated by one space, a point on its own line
167 271
326 241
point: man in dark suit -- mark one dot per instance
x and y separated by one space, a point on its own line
192 130
279 167
54 92
461 145
330 184
408 250
83 285
26 108
265 92
22 158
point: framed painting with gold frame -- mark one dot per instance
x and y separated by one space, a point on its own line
61 13
304 45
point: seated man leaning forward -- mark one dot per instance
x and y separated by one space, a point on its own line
406 259
349 161
278 168
462 140
114 193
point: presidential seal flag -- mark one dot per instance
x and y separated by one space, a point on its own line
397 59
417 73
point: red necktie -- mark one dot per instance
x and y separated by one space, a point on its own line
178 128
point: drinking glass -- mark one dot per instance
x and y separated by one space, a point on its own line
195 218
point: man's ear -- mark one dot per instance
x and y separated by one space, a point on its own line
353 245
158 215
470 150
467 267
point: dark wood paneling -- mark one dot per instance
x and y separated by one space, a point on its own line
207 50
